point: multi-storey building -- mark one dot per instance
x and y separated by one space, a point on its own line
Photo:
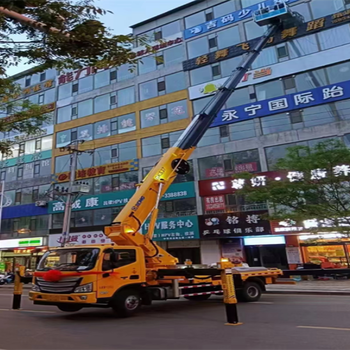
297 92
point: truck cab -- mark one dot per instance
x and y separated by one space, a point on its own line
75 277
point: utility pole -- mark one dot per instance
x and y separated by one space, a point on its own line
73 149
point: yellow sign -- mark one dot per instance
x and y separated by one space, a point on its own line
101 170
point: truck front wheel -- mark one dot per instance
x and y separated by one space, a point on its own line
69 307
126 302
251 291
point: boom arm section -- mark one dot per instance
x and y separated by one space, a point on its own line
126 226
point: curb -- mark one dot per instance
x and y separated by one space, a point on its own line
311 292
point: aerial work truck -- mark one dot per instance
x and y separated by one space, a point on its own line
133 270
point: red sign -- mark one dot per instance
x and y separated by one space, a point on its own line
246 167
214 172
158 47
227 185
214 203
79 73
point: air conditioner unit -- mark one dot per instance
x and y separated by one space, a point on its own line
40 203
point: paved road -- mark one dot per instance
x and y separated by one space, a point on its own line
277 322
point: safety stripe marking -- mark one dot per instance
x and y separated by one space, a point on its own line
204 293
196 286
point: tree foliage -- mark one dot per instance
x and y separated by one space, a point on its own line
315 185
78 39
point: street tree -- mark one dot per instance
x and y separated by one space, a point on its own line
314 185
62 34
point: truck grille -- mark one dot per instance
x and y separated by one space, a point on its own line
65 285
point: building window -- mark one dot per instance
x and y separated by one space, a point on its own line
212 43
85 132
177 110
64 91
161 86
334 37
3 176
113 75
302 46
42 76
201 75
41 99
322 8
195 19
86 84
269 90
267 57
242 130
63 114
216 70
197 47
173 55
228 37
18 197
275 123
126 96
165 143
102 103
175 82
228 164
126 123
147 64
75 88
37 144
101 79
149 117
253 30
125 71
282 51
148 90
85 108
171 29
27 81
151 146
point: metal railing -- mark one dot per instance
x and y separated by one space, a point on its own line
239 208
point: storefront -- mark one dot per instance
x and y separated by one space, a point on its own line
330 250
267 251
16 252
179 236
244 236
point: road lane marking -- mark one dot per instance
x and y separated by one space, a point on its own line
329 328
38 311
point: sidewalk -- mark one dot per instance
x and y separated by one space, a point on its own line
331 287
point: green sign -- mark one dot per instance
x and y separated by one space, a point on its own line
2 266
174 229
28 158
30 242
116 199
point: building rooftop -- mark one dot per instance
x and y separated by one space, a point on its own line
176 9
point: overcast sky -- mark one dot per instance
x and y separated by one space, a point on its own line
125 14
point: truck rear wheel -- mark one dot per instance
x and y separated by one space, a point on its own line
198 297
69 307
251 291
126 302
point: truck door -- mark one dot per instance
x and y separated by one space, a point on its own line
119 267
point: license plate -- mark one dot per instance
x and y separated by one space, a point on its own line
53 297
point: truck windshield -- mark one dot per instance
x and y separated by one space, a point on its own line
81 259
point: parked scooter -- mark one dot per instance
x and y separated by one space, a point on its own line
6 279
